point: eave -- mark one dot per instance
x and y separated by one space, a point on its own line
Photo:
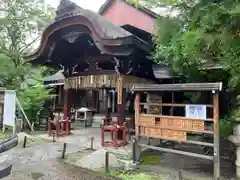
104 33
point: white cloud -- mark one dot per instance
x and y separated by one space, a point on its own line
93 5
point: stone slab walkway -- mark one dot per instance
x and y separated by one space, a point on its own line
40 160
20 156
53 170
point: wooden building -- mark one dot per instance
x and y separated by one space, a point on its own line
99 60
126 15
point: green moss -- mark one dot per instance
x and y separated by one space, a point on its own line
150 159
139 176
3 136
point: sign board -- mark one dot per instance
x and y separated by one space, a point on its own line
9 108
119 90
196 111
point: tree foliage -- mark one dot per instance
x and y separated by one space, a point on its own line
20 32
28 19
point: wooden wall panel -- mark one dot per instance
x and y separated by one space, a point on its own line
174 135
171 122
168 127
146 120
163 133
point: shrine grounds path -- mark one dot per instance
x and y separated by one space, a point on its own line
42 162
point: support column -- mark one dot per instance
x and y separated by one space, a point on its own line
121 100
137 114
59 94
66 103
67 108
109 103
113 100
105 101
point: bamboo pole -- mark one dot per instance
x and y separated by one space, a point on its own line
25 116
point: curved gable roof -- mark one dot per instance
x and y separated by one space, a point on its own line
103 32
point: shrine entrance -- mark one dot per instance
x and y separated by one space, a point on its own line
102 95
177 121
98 59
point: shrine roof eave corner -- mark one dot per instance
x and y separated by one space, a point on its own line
102 31
197 87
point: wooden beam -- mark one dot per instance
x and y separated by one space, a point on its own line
199 87
170 105
177 152
177 129
185 141
174 117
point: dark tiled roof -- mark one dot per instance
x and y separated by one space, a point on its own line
161 72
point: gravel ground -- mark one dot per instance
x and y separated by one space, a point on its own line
54 170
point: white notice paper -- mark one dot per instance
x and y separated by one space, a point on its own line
196 111
9 108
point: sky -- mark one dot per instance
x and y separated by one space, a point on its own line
93 5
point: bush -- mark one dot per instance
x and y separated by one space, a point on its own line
32 99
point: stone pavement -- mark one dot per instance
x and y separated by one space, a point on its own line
39 160
53 170
93 160
20 157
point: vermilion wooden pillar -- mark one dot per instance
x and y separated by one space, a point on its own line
66 103
66 111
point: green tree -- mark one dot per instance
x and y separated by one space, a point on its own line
20 32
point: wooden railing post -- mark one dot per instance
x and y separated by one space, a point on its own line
107 162
64 150
24 141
